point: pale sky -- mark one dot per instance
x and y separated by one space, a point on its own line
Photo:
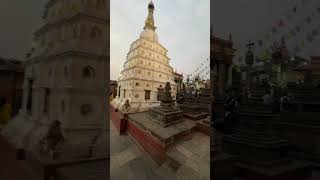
252 19
183 27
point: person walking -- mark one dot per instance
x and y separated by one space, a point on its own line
267 98
5 112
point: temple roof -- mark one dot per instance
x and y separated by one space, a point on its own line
11 64
221 42
47 7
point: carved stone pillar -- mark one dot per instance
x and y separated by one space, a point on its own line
221 76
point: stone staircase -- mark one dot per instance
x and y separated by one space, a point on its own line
190 159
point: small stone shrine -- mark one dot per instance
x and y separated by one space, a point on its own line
204 99
167 113
260 154
300 125
191 108
161 127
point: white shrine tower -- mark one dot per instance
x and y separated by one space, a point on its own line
145 72
64 109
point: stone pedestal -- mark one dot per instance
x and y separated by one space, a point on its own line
192 110
167 113
204 99
166 116
153 137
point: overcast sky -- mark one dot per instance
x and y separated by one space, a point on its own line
252 19
18 20
183 27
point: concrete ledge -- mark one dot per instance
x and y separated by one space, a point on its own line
195 116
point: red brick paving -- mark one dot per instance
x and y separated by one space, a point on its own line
10 168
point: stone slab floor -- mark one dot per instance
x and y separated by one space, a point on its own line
129 162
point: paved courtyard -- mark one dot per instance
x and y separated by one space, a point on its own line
129 162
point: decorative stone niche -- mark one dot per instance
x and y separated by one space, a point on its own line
86 109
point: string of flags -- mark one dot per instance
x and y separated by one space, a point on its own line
276 29
293 32
203 70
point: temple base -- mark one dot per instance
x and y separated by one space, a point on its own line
166 116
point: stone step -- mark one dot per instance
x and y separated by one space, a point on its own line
165 171
191 158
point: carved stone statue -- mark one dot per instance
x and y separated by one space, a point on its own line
166 99
53 138
167 113
126 106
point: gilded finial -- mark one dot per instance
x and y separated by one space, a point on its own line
149 24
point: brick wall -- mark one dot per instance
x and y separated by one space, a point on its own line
153 147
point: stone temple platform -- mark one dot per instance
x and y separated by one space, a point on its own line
165 135
162 133
177 146
181 145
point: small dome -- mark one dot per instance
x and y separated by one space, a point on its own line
149 34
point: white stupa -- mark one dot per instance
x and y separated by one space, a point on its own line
145 72
64 84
